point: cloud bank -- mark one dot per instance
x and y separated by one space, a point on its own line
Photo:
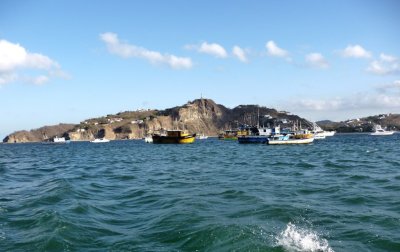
384 97
14 59
125 50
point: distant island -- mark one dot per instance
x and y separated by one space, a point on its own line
199 116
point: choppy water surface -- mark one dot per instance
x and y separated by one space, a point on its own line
338 194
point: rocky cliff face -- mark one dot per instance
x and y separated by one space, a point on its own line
40 134
365 124
198 116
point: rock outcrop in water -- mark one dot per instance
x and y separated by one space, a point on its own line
198 116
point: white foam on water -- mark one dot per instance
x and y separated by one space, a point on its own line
294 238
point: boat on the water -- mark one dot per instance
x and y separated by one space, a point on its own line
258 135
319 133
201 137
148 139
56 140
329 133
228 135
100 140
233 134
378 131
174 137
291 139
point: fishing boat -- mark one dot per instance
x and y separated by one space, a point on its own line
233 134
228 135
100 140
258 135
291 139
174 137
378 131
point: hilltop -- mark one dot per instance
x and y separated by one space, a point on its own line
198 116
365 124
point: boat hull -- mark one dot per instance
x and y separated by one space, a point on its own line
101 140
291 141
252 139
329 133
157 139
386 133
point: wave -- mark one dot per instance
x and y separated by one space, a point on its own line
294 238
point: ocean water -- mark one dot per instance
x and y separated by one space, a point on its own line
338 194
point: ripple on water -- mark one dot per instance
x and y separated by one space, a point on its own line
209 196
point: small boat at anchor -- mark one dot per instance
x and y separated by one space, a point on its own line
378 131
174 137
56 140
201 137
148 139
100 140
291 139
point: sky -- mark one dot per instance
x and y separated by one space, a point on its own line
67 61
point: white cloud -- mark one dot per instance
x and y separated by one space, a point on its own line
213 49
361 101
316 60
125 50
274 50
240 54
387 64
355 51
387 58
14 58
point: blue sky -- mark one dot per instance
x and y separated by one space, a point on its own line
66 61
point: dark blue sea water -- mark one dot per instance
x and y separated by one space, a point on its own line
338 194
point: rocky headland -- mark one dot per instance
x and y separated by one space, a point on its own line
199 116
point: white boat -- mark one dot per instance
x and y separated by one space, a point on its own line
201 137
56 140
329 133
59 140
289 139
148 139
378 131
100 140
319 133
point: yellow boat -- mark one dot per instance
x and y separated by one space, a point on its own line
232 134
174 137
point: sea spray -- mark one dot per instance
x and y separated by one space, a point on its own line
294 238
